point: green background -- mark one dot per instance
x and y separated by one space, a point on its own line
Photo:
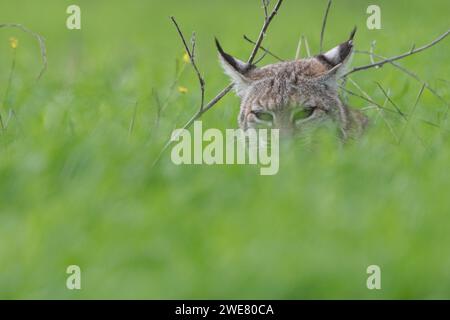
77 184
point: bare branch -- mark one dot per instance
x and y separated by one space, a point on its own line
380 108
264 29
262 57
399 57
355 84
266 4
195 117
409 73
252 57
227 89
384 108
263 49
193 43
38 37
412 112
192 58
406 118
400 112
324 24
218 98
418 98
403 115
367 98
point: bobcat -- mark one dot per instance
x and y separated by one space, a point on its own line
295 96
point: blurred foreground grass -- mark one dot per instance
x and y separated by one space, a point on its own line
77 185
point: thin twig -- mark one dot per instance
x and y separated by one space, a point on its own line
38 37
403 115
381 108
386 121
412 112
270 53
367 97
356 85
195 117
391 61
263 31
324 24
400 112
406 71
262 57
386 109
411 74
266 4
192 58
227 89
193 43
402 56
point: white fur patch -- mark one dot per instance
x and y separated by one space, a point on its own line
333 55
241 83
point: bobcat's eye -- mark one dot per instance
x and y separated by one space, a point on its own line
302 114
263 116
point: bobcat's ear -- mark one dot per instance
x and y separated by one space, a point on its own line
338 56
236 69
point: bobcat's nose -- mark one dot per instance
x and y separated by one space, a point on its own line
286 131
286 128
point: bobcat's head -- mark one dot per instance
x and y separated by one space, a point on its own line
293 96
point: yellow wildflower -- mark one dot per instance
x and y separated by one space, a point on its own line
13 42
183 90
186 58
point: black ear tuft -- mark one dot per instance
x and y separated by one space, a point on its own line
344 51
339 54
236 69
352 34
228 58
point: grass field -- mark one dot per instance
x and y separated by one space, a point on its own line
77 184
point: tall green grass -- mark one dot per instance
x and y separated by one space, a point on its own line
77 184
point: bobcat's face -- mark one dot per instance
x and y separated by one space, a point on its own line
293 96
288 96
